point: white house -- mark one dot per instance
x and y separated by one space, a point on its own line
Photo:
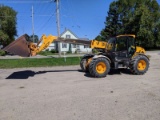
82 47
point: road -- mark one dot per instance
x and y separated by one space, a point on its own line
66 93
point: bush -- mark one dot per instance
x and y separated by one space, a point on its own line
45 53
47 50
53 51
76 51
2 53
69 52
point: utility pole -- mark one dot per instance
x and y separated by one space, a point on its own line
32 23
58 25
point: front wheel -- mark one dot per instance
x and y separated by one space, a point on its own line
139 65
99 67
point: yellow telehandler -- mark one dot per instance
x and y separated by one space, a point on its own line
120 51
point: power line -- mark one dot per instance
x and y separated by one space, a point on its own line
44 25
27 16
44 8
25 1
38 7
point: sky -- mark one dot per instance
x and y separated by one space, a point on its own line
85 18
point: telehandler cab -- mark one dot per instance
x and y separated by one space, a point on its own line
119 52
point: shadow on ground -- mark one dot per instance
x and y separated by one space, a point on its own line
29 73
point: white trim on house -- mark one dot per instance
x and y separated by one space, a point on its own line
73 48
70 33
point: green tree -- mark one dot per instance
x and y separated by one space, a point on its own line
155 9
35 39
112 24
146 17
7 25
139 17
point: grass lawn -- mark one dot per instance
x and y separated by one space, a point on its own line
38 62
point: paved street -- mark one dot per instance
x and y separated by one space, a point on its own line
66 93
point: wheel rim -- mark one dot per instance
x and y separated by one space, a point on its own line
101 67
141 65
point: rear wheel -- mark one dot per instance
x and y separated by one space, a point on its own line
99 67
139 65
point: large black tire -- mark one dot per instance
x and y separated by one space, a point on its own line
83 65
99 67
139 65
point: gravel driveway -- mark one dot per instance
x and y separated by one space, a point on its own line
66 93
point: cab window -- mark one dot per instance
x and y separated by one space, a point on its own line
111 44
121 44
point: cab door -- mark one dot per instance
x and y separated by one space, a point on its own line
121 48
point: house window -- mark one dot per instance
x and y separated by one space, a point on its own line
78 46
64 45
68 36
86 46
73 45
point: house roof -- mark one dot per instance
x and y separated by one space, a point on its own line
70 32
84 38
74 41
